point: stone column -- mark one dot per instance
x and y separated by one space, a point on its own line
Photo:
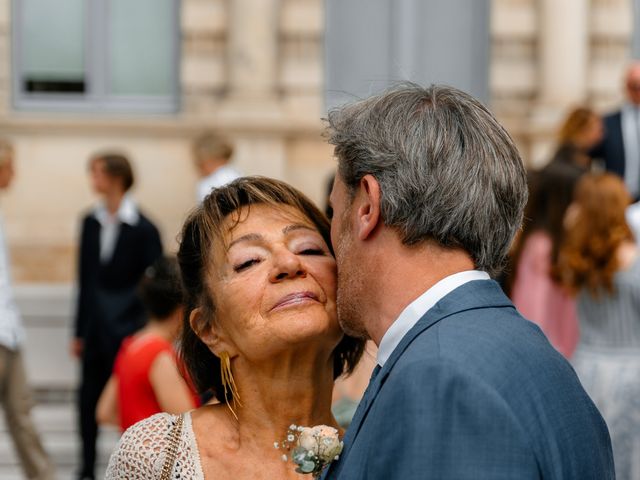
261 154
563 61
635 43
563 51
252 99
253 49
5 56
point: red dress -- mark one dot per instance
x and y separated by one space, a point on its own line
136 398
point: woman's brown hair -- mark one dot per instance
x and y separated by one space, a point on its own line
588 258
575 123
550 194
204 229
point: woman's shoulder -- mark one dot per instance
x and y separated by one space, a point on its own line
157 425
148 342
144 439
142 448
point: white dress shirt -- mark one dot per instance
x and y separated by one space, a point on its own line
11 329
421 305
630 119
223 175
632 215
110 224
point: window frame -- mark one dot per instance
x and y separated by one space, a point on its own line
96 99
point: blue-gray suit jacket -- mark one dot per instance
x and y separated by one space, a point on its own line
475 391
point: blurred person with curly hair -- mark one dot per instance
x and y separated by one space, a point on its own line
599 261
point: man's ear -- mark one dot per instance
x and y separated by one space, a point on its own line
208 333
368 207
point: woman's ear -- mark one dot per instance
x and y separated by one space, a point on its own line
211 336
202 328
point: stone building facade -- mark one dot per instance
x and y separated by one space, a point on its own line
258 78
549 56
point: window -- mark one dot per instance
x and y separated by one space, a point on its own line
99 55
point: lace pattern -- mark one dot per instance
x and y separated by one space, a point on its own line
142 451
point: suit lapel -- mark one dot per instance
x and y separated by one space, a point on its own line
470 296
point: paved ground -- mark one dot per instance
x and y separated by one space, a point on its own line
57 425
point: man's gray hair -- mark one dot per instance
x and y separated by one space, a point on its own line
6 151
448 171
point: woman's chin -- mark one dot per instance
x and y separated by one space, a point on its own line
323 336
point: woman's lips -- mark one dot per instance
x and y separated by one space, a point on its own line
295 299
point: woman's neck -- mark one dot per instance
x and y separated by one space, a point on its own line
287 391
161 329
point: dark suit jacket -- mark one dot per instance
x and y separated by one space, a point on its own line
611 148
108 307
474 391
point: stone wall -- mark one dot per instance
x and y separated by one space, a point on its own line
549 56
256 78
259 79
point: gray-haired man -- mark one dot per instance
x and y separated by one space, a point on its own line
429 194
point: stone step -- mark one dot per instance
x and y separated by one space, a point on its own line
57 426
47 312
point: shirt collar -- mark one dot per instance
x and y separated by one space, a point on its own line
127 212
421 305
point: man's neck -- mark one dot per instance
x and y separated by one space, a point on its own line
395 280
112 202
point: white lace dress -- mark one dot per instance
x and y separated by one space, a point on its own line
142 450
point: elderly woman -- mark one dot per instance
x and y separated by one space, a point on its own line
261 334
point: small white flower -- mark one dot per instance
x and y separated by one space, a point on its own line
330 441
275 444
307 440
314 447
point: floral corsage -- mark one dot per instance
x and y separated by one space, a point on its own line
311 448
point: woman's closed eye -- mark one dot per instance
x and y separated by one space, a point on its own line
312 251
239 267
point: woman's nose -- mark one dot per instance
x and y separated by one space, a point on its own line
287 265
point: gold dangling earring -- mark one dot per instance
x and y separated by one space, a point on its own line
228 383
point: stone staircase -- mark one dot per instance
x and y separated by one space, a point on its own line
56 423
52 373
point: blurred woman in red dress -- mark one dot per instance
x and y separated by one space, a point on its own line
146 378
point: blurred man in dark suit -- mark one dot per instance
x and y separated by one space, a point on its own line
117 244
